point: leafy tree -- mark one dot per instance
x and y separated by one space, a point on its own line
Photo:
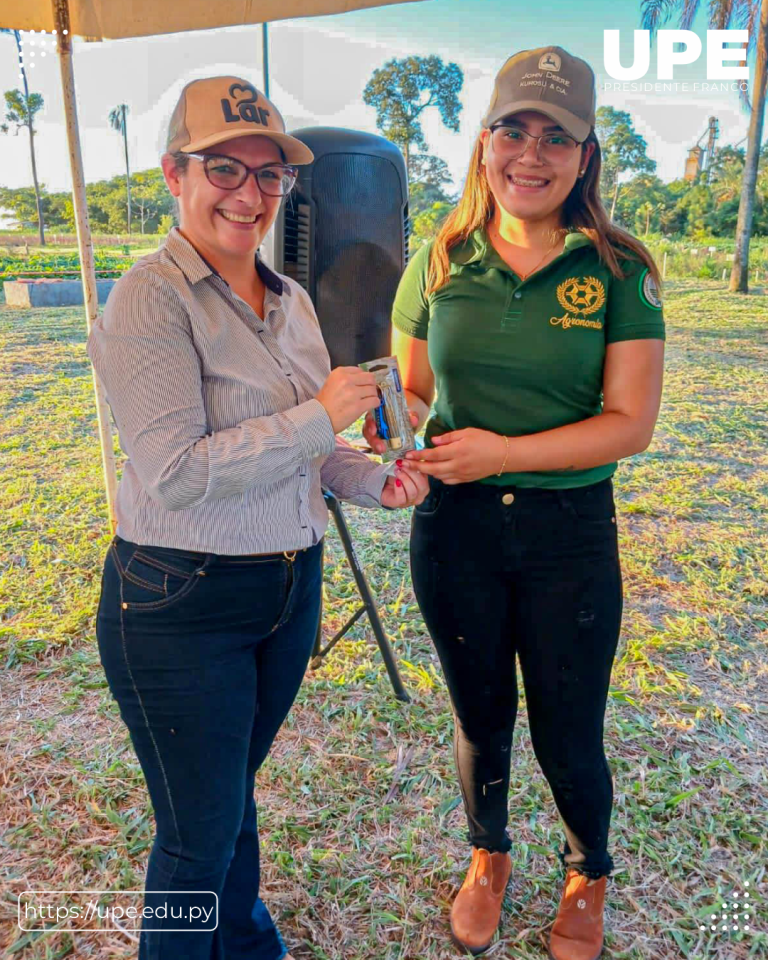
117 120
721 15
727 172
59 212
427 223
106 204
699 207
152 199
722 220
673 218
622 150
421 196
21 108
21 204
642 202
402 90
425 184
428 169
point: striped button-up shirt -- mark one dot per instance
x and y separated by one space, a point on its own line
227 449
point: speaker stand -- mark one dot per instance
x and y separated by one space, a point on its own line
368 606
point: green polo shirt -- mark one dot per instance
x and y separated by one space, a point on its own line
522 356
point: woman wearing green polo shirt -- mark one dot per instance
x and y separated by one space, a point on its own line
539 323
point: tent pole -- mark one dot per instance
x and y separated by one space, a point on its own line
84 240
265 57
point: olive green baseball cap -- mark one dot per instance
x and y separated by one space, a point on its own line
551 81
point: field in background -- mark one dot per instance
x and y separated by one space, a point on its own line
112 256
362 827
703 259
56 242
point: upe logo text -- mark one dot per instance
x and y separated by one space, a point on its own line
668 57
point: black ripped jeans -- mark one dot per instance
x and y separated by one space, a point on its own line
501 572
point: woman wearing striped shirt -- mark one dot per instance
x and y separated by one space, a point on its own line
220 385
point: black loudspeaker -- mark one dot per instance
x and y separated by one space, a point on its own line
343 235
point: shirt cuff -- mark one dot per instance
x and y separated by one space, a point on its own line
314 428
374 483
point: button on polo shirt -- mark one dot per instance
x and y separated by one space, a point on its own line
522 356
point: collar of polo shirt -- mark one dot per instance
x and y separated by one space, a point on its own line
196 268
479 249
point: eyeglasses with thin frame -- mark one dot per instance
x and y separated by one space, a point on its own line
228 173
512 142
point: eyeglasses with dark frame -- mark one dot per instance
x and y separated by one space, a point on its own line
512 142
229 173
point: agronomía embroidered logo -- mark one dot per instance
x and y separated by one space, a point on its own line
580 297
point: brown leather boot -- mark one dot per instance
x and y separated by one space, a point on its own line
477 908
577 933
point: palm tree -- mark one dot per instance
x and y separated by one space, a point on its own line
727 174
21 109
118 122
751 15
646 209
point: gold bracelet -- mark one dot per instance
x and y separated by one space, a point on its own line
506 454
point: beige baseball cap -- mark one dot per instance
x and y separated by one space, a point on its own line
551 81
215 109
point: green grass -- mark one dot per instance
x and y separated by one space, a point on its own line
363 832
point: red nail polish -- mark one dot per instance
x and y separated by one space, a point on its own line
399 463
399 483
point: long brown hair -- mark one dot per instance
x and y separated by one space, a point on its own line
582 210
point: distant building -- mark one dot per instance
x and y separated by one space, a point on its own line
693 163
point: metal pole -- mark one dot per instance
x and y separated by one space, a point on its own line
84 241
369 604
123 108
265 56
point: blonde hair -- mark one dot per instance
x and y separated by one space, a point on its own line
582 210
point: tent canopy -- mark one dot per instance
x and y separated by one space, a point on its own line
116 19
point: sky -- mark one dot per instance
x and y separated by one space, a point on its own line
319 67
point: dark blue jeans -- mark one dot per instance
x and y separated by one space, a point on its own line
204 655
506 572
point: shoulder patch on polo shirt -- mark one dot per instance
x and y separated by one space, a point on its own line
649 291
